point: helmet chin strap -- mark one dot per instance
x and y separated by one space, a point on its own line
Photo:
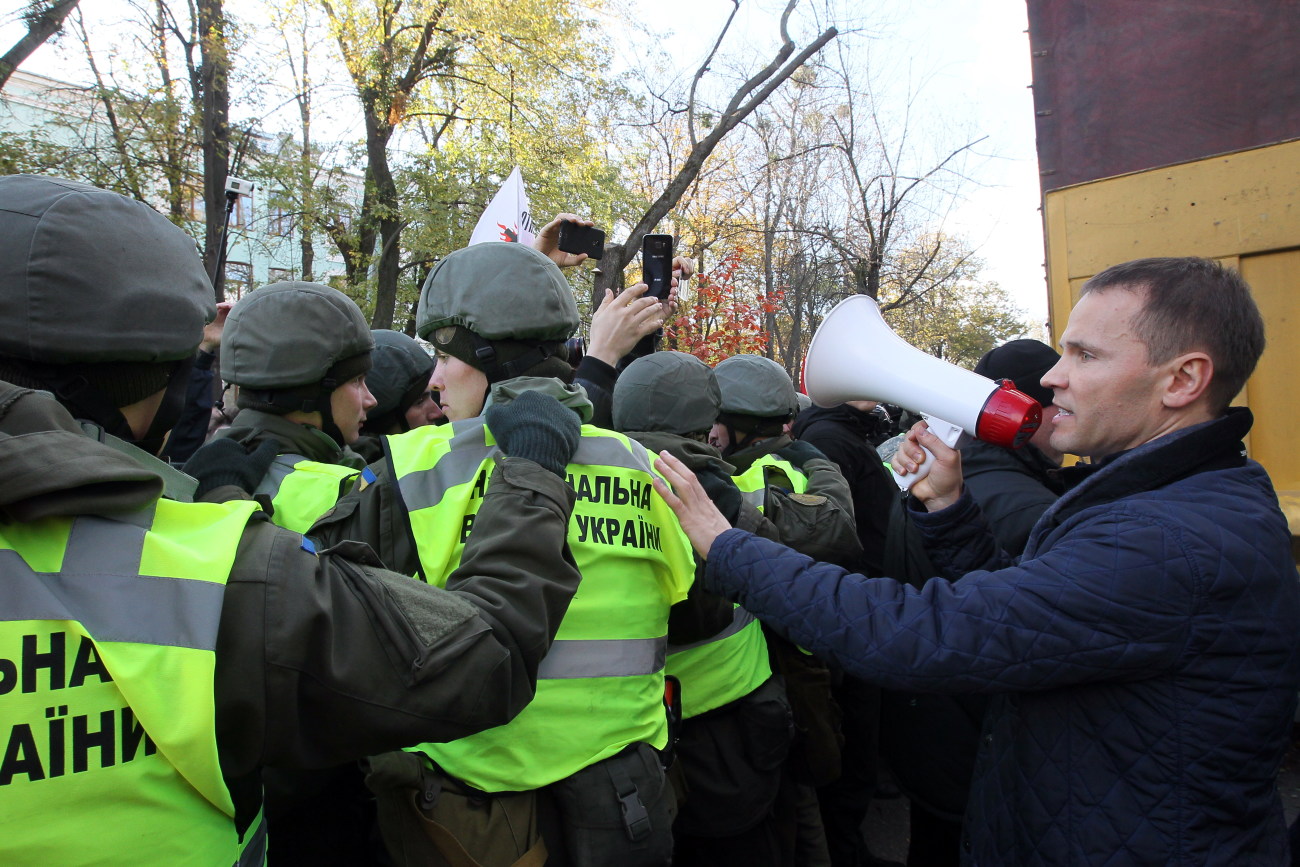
169 410
325 406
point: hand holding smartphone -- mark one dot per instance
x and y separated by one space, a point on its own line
576 238
657 265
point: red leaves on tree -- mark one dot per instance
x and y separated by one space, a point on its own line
722 319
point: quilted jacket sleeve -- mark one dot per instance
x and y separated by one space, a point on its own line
1112 601
958 539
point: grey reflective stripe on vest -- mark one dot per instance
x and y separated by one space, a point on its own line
468 449
100 587
740 618
612 657
280 469
254 854
755 498
610 452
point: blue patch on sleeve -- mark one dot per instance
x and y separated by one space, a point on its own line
368 477
308 545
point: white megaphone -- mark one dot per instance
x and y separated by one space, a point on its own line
855 355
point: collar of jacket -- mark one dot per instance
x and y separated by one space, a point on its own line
1211 445
51 468
252 427
570 394
696 455
744 458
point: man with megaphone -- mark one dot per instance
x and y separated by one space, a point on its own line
1141 655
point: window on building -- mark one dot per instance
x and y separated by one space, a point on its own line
243 207
194 203
239 279
279 221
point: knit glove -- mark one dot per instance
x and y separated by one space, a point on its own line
723 492
538 427
226 462
800 453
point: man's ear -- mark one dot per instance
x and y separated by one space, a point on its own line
1189 377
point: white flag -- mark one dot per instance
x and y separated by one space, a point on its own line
506 217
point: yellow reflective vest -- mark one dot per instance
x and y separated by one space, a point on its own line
769 469
301 490
108 631
600 688
733 663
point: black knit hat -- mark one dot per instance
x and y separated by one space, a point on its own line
1023 362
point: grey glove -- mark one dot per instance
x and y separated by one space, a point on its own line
538 427
226 462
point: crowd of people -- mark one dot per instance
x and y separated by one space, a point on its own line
500 605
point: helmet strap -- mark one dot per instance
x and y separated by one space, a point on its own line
485 358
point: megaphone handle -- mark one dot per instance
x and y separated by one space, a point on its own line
951 435
905 482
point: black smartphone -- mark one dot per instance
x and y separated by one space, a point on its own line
576 238
657 265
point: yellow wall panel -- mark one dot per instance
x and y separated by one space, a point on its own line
1242 203
1273 393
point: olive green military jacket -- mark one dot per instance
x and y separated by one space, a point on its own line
372 512
322 657
251 427
819 522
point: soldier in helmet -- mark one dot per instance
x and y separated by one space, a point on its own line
758 401
167 651
581 764
399 380
736 720
299 353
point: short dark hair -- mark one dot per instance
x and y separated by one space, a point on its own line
1193 304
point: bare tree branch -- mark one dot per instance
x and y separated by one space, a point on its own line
44 19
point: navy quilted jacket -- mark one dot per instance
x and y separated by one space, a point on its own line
1142 655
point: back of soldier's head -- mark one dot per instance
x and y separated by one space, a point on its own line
501 307
102 299
670 392
757 394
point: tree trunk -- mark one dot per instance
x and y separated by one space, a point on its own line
214 74
388 217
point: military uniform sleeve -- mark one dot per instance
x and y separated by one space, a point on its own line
818 522
323 658
826 480
372 513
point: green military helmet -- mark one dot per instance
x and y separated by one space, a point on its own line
502 307
88 275
500 291
756 386
289 345
291 334
672 392
399 374
102 301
